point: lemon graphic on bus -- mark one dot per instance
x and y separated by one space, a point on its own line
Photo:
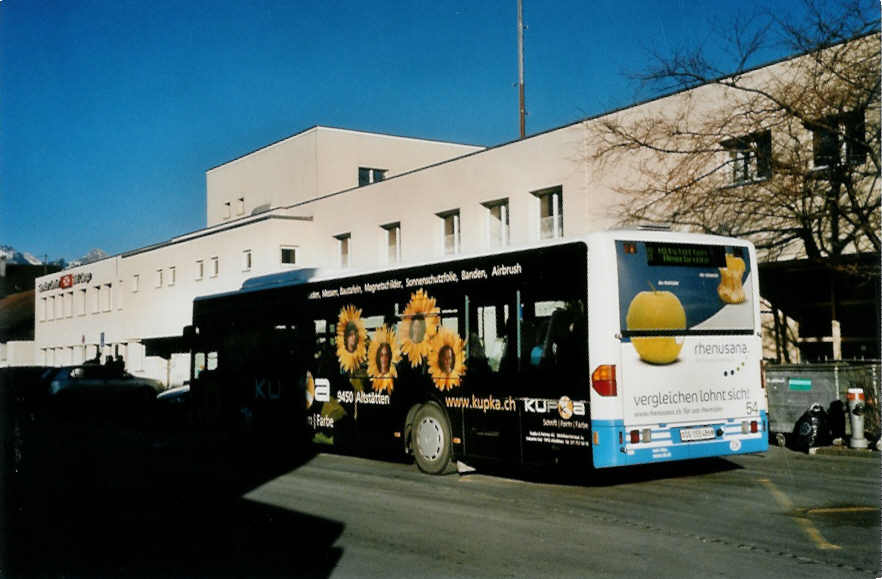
656 310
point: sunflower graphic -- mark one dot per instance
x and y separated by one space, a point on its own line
383 355
420 322
351 338
446 359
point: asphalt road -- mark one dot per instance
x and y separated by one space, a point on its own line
781 514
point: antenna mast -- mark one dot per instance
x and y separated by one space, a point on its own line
522 103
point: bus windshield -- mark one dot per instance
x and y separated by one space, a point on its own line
680 288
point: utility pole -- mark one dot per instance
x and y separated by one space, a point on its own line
522 103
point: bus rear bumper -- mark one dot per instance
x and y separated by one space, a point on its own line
613 447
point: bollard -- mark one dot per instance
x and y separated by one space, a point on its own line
856 413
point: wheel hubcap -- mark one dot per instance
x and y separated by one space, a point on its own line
430 438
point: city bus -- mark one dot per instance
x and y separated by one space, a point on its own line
619 348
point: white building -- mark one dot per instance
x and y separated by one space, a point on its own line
351 200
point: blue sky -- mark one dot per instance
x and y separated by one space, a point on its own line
111 111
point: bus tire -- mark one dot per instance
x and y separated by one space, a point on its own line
431 439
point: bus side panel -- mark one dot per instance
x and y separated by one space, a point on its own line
603 350
608 448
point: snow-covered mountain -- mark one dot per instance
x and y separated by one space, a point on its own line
24 258
93 255
18 257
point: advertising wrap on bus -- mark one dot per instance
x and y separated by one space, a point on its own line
687 318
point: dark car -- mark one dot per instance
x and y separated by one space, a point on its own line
174 408
92 424
97 381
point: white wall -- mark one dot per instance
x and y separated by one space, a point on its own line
17 353
513 171
313 163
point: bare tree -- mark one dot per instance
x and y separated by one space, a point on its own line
787 155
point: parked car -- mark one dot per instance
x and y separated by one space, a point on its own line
94 425
174 408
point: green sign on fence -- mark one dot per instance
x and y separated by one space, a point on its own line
800 383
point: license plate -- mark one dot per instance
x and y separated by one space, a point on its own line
692 434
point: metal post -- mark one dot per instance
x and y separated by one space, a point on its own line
521 98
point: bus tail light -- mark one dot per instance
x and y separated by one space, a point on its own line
603 380
644 435
751 427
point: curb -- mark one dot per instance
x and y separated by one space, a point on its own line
844 451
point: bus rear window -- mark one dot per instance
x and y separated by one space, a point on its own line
684 288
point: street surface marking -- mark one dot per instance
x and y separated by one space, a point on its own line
826 510
813 533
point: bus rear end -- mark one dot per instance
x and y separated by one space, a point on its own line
676 364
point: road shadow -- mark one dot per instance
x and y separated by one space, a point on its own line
118 486
116 537
176 510
577 475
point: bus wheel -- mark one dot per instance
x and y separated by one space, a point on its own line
431 439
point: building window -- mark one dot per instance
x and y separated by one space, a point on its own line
136 282
172 276
288 256
96 304
106 301
343 248
50 308
750 157
158 278
550 212
368 175
240 206
81 302
215 266
450 232
68 304
200 269
497 223
246 260
226 210
392 243
839 139
41 312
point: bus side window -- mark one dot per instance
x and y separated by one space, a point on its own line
487 342
492 344
198 363
324 361
553 334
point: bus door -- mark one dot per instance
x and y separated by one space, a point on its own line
375 390
553 380
488 398
356 383
330 399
